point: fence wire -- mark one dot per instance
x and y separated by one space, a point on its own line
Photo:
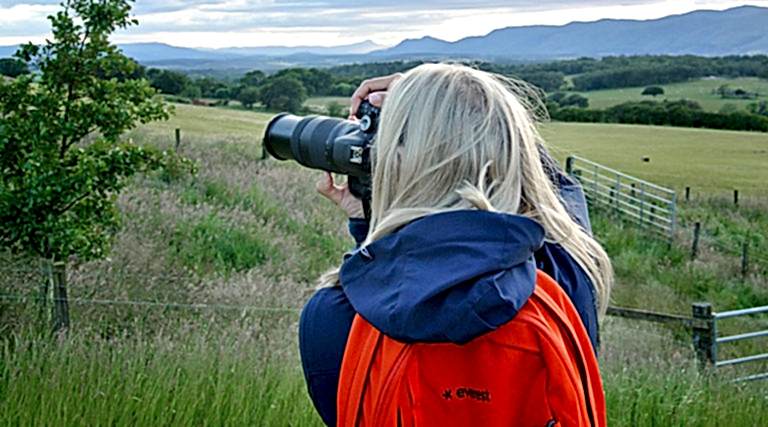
157 304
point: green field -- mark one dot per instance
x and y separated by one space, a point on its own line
700 91
705 160
247 238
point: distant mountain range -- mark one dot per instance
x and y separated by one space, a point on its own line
741 30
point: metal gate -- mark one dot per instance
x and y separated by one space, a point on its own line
648 205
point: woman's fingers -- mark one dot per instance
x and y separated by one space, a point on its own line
377 98
329 189
340 195
377 84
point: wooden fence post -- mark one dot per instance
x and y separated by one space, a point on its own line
178 139
736 197
46 268
696 234
60 302
687 194
704 334
744 260
569 165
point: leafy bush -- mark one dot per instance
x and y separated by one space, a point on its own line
653 91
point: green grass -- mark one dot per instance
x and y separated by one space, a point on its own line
216 124
251 233
708 161
700 91
233 377
149 381
210 244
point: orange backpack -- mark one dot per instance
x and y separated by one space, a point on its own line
536 370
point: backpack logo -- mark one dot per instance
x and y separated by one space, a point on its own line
467 393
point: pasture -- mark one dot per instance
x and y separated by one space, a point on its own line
708 161
701 91
245 239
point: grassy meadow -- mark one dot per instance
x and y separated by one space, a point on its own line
708 161
701 91
245 239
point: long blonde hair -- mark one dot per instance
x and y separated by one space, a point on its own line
452 137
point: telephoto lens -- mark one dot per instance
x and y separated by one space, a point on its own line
326 143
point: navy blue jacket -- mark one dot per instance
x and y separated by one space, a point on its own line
447 277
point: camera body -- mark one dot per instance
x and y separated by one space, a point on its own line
328 143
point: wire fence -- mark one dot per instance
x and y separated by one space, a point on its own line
156 304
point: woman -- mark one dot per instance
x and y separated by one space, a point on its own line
461 204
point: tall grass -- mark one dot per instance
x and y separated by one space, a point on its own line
233 376
150 381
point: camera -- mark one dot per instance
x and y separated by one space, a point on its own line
329 144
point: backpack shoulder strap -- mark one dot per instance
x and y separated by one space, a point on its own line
555 301
371 367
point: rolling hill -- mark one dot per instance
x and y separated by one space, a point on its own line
740 30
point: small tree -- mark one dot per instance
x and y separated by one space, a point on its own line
248 96
12 67
653 91
283 93
192 91
575 100
170 82
62 162
253 78
759 108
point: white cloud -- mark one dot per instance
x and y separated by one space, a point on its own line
219 23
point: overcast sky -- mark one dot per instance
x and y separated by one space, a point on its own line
222 23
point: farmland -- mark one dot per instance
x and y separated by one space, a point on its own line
706 160
701 91
247 237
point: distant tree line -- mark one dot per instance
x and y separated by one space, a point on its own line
682 113
617 72
288 89
285 90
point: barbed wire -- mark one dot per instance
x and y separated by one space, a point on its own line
196 306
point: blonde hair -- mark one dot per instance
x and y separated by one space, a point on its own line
452 137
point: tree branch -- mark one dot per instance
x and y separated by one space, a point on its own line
72 204
65 143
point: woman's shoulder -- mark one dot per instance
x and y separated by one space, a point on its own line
323 330
326 318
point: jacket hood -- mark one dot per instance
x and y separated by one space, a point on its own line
446 277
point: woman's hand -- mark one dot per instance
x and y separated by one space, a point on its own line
340 195
374 90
